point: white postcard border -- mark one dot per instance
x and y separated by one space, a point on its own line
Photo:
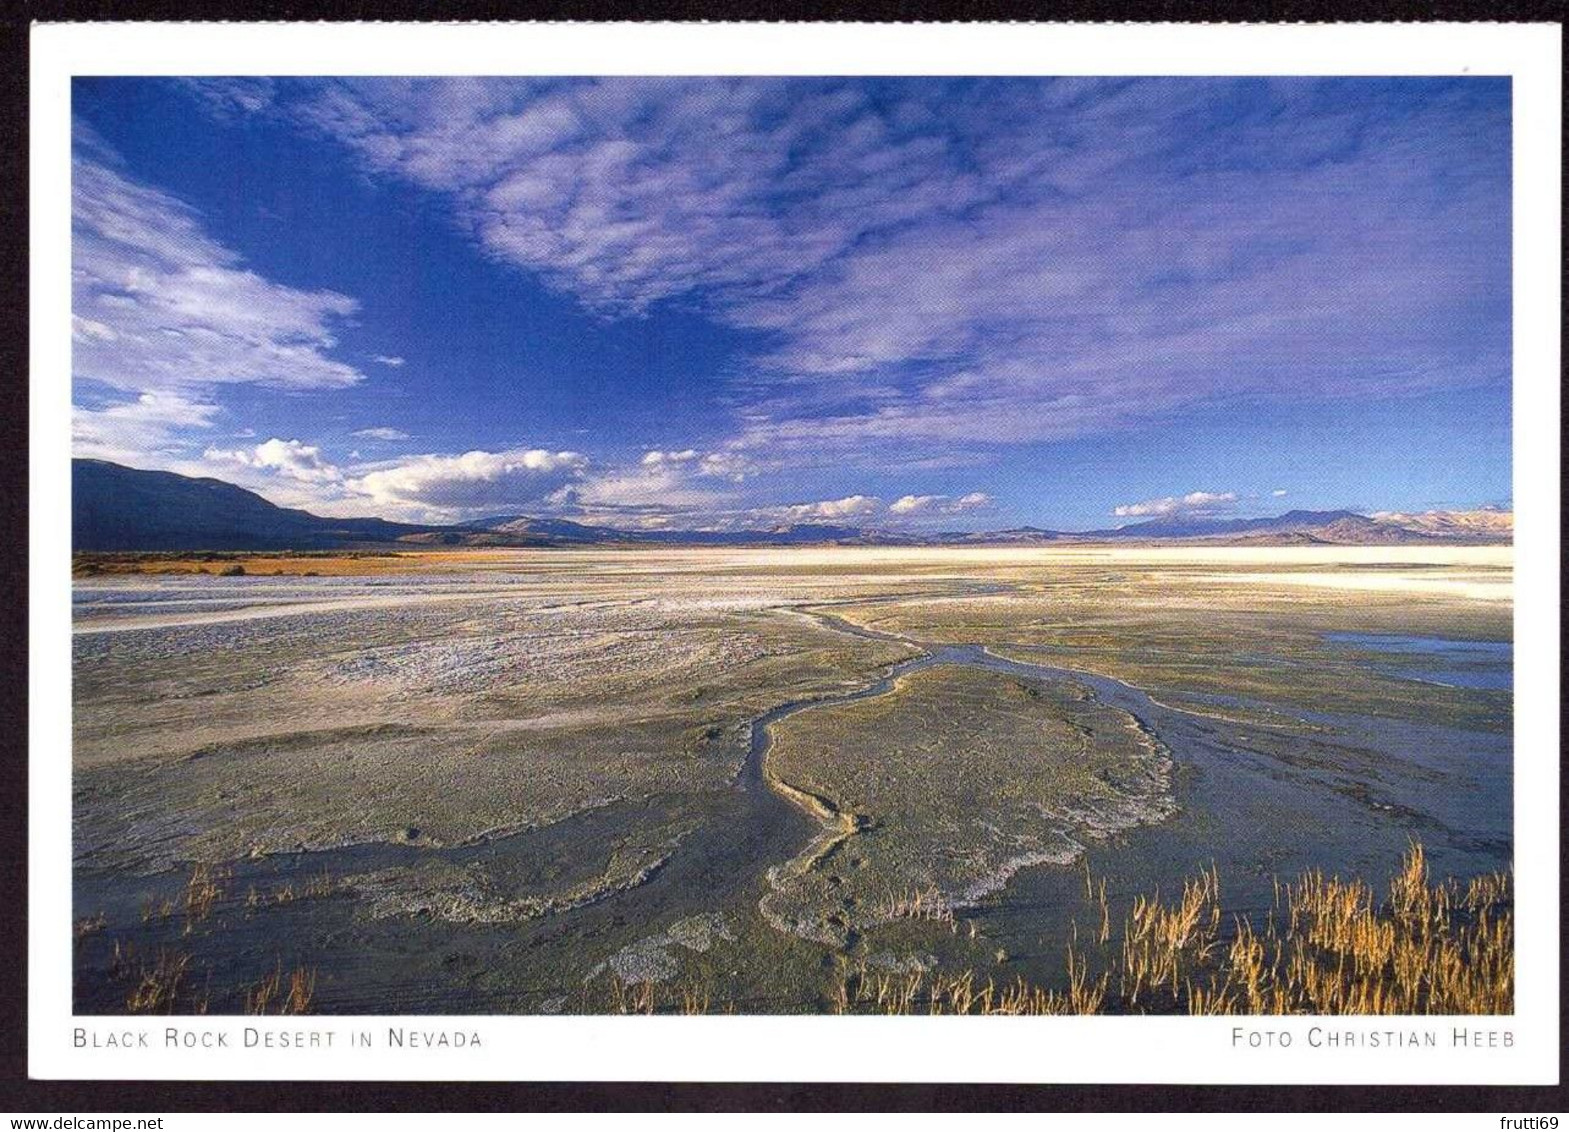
1173 1050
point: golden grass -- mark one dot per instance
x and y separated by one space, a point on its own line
1161 940
157 987
1431 948
632 998
275 996
319 885
166 985
299 564
302 989
862 990
922 904
647 997
120 959
259 998
694 1000
202 892
1329 946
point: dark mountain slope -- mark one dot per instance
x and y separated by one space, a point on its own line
118 508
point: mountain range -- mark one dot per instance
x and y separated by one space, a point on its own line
116 508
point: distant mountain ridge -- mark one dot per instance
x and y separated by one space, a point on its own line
1177 526
116 508
1483 521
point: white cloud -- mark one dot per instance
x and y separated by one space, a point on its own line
1168 505
1278 492
664 496
165 313
909 505
1195 504
826 510
661 481
388 360
914 504
291 459
472 481
724 464
1208 498
134 431
727 464
381 433
228 98
161 306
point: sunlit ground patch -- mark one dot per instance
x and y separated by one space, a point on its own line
932 795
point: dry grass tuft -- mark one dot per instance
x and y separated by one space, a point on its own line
1429 948
1327 947
922 904
694 1000
319 885
202 892
157 987
1161 940
259 999
632 998
862 990
120 959
302 988
270 996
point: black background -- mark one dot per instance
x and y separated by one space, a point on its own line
20 1095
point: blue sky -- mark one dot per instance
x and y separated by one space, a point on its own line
923 303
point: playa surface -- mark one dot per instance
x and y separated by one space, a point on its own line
526 781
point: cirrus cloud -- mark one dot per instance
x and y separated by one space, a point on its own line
936 263
152 424
161 305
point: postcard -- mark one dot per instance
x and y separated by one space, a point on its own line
805 552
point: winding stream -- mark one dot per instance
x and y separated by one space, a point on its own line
1241 799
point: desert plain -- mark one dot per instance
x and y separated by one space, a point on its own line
761 780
